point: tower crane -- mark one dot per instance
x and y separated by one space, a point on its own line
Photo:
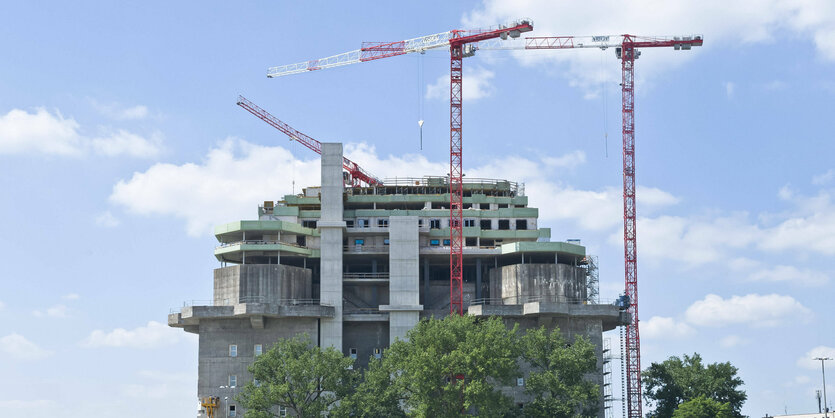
626 50
358 175
460 44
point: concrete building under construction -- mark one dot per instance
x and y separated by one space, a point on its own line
357 267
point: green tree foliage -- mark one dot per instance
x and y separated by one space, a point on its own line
305 379
702 407
556 380
449 367
676 381
375 396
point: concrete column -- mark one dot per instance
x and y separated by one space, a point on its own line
426 281
478 278
404 281
331 225
375 291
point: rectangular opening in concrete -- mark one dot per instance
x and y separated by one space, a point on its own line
504 224
435 224
309 224
486 224
470 242
521 224
469 223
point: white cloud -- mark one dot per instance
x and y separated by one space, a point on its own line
18 347
807 361
824 178
725 25
664 327
570 160
234 177
26 405
118 112
153 335
475 85
730 88
71 296
42 132
753 309
732 341
57 311
107 220
782 273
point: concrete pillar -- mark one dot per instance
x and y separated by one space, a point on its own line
426 281
404 281
478 278
331 225
375 291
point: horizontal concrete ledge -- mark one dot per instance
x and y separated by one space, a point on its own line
331 224
401 308
363 317
191 315
609 314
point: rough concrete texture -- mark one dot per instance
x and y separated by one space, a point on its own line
261 283
404 280
215 364
365 337
331 225
515 283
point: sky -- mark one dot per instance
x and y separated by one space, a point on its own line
121 146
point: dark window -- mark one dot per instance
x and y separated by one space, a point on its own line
435 223
362 223
349 224
309 224
504 224
446 242
502 205
232 411
382 222
469 223
521 224
486 224
301 240
470 242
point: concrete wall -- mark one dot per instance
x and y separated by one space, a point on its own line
553 282
261 283
404 280
215 365
331 226
365 337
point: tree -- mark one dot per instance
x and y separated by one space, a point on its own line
375 396
305 379
676 381
448 367
556 380
702 407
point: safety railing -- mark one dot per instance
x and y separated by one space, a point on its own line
366 276
259 242
539 298
365 248
250 299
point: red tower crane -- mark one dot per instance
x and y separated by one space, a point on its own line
626 50
458 42
357 173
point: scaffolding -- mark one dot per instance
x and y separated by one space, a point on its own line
589 262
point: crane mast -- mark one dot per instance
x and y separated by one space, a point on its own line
357 173
458 42
626 49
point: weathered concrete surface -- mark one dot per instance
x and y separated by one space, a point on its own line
331 226
262 283
365 337
404 280
554 282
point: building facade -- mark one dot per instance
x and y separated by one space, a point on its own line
357 267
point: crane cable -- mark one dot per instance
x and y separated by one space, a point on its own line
420 96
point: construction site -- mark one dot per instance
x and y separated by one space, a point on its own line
357 261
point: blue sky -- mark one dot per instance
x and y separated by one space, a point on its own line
121 146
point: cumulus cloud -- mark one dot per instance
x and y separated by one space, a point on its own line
107 220
753 309
43 132
664 327
152 335
57 311
726 24
791 274
18 347
732 341
475 85
824 178
807 361
119 112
